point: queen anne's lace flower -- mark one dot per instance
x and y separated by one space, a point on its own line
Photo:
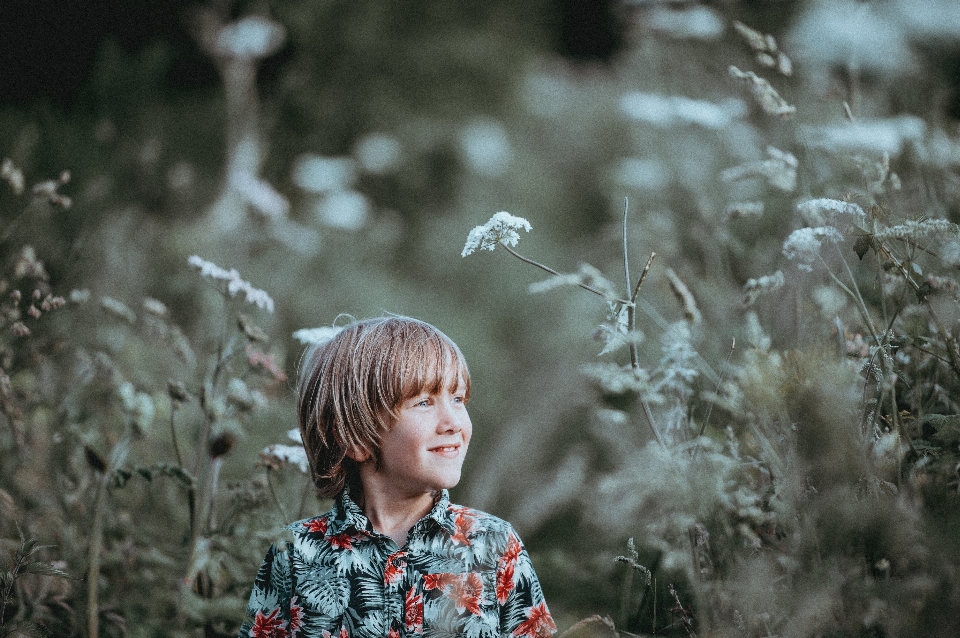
501 229
818 212
235 284
803 245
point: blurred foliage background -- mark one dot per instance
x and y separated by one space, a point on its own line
337 154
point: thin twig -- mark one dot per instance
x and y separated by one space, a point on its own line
554 272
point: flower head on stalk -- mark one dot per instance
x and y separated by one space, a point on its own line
501 229
803 245
235 284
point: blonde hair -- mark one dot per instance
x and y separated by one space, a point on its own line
351 386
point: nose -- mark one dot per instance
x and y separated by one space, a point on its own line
452 415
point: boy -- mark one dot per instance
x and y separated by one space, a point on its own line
382 412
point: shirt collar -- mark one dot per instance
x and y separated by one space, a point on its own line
347 515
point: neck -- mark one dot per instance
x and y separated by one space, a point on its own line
392 516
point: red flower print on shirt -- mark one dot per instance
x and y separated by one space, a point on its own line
296 616
343 633
512 552
394 568
413 612
505 568
505 582
318 525
538 624
438 581
269 626
393 633
343 540
467 592
463 523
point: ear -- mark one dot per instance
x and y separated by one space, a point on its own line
357 455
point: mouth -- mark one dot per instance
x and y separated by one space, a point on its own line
446 450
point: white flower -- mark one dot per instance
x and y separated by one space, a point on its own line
289 454
803 245
818 212
768 283
314 336
501 229
235 284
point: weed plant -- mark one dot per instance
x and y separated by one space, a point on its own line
805 485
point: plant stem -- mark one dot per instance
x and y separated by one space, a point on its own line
173 431
631 308
93 571
273 493
706 419
554 272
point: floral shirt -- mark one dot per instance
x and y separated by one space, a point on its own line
462 572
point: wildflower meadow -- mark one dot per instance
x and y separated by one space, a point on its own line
701 257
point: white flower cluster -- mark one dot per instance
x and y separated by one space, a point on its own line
501 229
803 245
756 287
780 170
316 336
290 453
818 212
235 284
916 229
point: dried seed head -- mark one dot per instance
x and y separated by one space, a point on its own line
94 460
177 391
221 445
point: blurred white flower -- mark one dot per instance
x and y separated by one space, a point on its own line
314 336
250 37
316 174
756 287
642 174
803 245
821 37
289 454
346 209
261 195
664 111
874 136
378 153
818 212
486 147
235 284
501 229
780 170
692 21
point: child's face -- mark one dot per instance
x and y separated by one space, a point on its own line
424 448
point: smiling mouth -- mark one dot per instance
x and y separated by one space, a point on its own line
445 449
